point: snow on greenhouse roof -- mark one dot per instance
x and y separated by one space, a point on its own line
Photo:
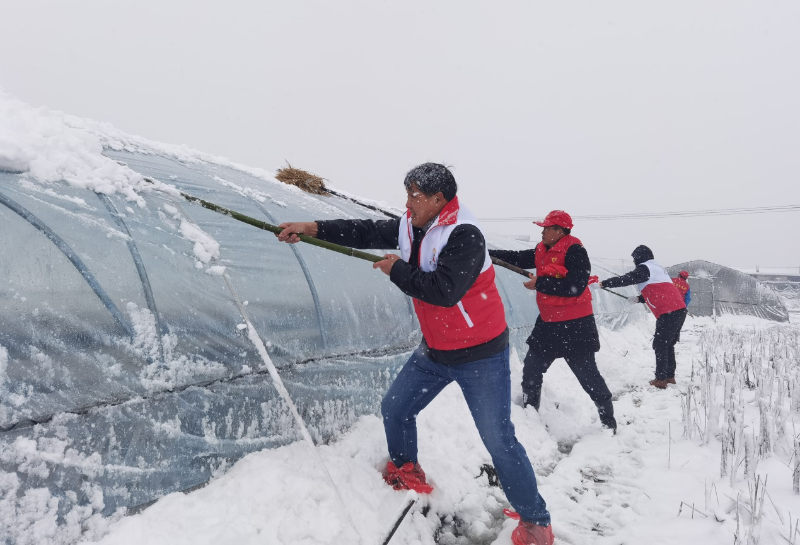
52 146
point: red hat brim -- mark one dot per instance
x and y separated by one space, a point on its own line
546 223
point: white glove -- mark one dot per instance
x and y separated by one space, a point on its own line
633 299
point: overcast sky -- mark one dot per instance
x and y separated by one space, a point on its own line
592 107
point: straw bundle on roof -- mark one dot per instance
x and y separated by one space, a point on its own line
302 179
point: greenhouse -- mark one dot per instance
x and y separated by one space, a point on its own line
138 329
717 290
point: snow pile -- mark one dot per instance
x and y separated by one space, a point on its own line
52 146
600 488
206 247
146 343
49 147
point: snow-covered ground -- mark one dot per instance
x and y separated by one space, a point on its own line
656 481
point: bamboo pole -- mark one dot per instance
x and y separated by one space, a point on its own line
345 250
509 266
614 293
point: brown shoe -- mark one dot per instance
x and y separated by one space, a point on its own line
671 381
662 384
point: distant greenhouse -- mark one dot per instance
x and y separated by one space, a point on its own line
126 367
718 290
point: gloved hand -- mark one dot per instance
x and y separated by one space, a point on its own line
633 299
593 279
557 271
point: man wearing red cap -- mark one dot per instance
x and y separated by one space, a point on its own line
566 327
681 282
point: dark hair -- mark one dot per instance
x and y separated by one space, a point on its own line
431 178
565 230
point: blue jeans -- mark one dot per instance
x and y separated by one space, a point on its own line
485 384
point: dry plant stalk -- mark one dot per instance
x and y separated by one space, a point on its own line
302 179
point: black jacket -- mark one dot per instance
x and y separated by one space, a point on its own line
640 274
458 266
559 339
637 276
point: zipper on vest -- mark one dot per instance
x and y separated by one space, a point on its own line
465 314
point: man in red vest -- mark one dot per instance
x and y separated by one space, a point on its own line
566 327
445 267
664 300
681 282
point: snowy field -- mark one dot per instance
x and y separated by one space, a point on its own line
712 460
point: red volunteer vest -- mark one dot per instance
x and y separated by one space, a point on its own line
682 285
479 316
659 291
559 309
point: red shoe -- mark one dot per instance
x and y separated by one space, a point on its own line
407 477
529 533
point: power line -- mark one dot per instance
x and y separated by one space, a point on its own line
681 214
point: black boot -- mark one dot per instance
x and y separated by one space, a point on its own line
532 399
606 415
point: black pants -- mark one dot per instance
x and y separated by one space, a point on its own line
666 335
583 366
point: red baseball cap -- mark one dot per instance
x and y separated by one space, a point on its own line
556 217
683 274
